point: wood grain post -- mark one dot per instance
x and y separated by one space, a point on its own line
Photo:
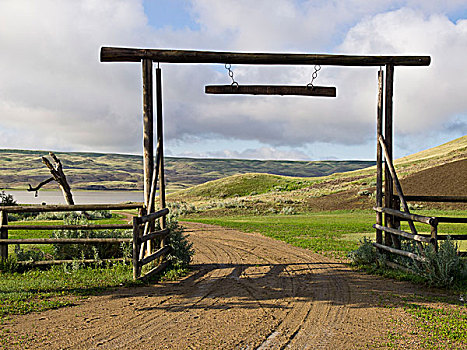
434 234
148 132
379 156
3 234
388 182
136 247
160 150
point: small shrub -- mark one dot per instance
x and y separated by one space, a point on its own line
288 211
365 254
9 265
442 268
86 251
33 254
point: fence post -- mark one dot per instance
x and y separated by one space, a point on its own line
379 157
3 234
434 234
136 247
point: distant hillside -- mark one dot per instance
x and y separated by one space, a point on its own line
440 170
100 171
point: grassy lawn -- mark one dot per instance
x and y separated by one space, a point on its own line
332 232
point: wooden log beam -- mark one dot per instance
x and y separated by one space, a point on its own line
59 262
323 91
71 227
120 54
404 234
66 207
460 237
414 217
155 255
148 133
154 216
448 199
159 268
64 240
399 252
3 234
452 220
155 234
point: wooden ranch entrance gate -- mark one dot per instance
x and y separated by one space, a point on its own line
389 224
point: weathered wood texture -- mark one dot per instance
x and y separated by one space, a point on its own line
379 155
403 233
59 176
156 234
71 227
66 207
3 234
160 150
153 216
135 256
323 91
59 262
155 255
400 252
414 217
120 54
148 130
65 240
388 181
447 199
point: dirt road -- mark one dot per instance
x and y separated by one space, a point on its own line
246 292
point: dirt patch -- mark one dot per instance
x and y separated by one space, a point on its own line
448 179
246 291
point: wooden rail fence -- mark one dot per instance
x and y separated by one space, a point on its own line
138 239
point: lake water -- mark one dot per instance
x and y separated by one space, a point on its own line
80 197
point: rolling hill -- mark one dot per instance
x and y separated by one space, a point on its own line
99 171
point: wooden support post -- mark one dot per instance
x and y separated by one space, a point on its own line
160 150
136 245
434 235
388 183
282 90
379 156
148 139
3 234
148 133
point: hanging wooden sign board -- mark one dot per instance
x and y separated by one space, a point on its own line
324 91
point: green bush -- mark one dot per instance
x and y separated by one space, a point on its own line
182 250
365 254
86 251
442 268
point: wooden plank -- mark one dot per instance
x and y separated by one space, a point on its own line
66 207
400 252
155 234
452 220
461 237
414 217
159 268
71 227
154 256
323 91
3 234
160 150
136 247
65 240
379 156
450 199
388 181
401 233
121 54
155 215
59 262
148 138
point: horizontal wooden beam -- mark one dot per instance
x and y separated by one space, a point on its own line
400 252
404 234
451 199
414 217
59 262
67 207
70 227
324 91
155 234
460 237
64 240
121 54
153 216
155 255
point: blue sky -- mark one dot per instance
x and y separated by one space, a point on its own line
56 95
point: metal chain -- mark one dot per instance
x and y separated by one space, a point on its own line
231 74
314 76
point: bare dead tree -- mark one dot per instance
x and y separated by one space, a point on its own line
58 175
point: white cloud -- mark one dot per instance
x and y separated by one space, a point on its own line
54 92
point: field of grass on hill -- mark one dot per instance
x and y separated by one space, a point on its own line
99 171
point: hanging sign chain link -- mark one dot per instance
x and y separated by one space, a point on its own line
314 76
231 74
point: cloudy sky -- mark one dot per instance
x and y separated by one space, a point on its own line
56 95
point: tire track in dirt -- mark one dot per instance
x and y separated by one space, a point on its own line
246 291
